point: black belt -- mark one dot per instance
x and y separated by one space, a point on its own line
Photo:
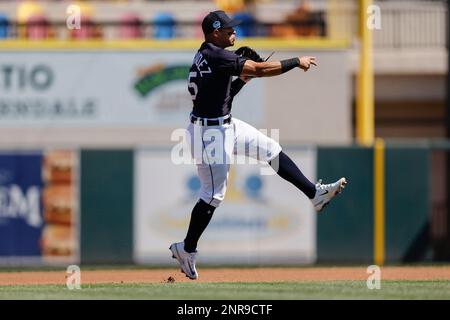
209 122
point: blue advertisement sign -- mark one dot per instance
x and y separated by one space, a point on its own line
21 218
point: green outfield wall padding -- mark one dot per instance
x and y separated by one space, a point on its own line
345 227
407 204
106 206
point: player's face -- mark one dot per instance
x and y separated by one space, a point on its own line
226 37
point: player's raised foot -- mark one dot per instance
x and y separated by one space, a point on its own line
326 192
186 259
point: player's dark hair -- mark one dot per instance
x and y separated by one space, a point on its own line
289 64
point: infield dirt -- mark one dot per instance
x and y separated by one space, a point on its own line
227 275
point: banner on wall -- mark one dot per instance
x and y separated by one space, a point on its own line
21 218
38 207
95 89
264 219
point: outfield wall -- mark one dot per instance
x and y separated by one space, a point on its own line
99 187
127 206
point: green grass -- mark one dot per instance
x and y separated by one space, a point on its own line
238 291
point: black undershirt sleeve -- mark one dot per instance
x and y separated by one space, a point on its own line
236 86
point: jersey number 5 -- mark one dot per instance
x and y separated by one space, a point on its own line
192 85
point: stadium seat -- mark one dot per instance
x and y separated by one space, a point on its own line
89 30
198 24
164 27
4 26
37 28
130 26
247 26
25 10
230 6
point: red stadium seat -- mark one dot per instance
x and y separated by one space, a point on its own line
88 30
130 26
37 28
198 23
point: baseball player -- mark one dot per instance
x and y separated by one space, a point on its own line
212 88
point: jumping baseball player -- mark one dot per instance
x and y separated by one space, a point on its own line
212 88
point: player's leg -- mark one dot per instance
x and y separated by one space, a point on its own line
259 146
319 194
200 217
213 187
186 251
213 175
254 144
288 170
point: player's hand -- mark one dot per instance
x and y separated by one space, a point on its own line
306 62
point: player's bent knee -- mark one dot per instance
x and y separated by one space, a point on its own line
215 202
274 151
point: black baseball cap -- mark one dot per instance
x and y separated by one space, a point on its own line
217 20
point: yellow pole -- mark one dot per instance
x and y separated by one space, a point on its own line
365 97
379 208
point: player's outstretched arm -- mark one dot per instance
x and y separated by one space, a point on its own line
275 68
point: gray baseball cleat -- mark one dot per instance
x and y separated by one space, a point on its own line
186 259
326 192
